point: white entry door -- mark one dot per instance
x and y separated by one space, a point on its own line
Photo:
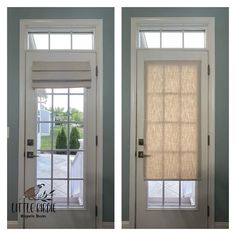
172 139
60 145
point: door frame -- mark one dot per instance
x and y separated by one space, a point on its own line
97 26
207 23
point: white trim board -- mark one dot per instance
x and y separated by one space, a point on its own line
126 225
97 25
208 23
221 225
107 225
12 224
15 225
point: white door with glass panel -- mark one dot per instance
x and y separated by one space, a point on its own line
172 144
60 146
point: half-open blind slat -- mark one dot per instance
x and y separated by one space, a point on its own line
171 120
61 74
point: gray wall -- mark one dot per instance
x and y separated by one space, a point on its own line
107 14
221 98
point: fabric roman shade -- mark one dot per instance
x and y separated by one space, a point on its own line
172 120
60 74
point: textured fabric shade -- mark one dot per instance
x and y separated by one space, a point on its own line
171 122
59 74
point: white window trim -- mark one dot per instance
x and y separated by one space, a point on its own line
207 23
97 25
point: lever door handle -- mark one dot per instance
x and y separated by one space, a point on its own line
31 155
142 155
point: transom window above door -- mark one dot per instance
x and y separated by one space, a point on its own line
172 39
60 40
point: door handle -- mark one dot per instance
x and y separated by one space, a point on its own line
31 155
142 155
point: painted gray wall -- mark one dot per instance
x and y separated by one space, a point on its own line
221 98
107 14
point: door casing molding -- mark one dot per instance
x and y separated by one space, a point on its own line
97 25
208 23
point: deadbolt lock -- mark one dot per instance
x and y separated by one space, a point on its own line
30 142
140 141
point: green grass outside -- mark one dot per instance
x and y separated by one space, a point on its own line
46 140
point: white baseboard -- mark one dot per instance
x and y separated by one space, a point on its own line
221 225
12 224
108 225
126 225
217 225
15 225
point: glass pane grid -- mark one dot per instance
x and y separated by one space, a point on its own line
61 160
172 39
171 194
60 41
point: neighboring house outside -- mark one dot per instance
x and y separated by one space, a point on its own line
43 128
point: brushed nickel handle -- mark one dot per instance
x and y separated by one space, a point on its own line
31 155
142 155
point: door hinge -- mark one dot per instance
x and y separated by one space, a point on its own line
96 72
208 211
96 140
209 140
208 70
96 210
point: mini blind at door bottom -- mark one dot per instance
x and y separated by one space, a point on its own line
172 120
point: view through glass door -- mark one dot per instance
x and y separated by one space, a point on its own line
171 139
60 144
60 156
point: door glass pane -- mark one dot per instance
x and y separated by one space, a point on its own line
44 164
46 185
44 137
77 165
188 195
60 138
44 119
76 139
60 109
76 193
60 194
171 193
172 39
44 106
60 165
77 107
155 194
60 41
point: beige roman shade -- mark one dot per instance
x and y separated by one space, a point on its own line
172 120
60 74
